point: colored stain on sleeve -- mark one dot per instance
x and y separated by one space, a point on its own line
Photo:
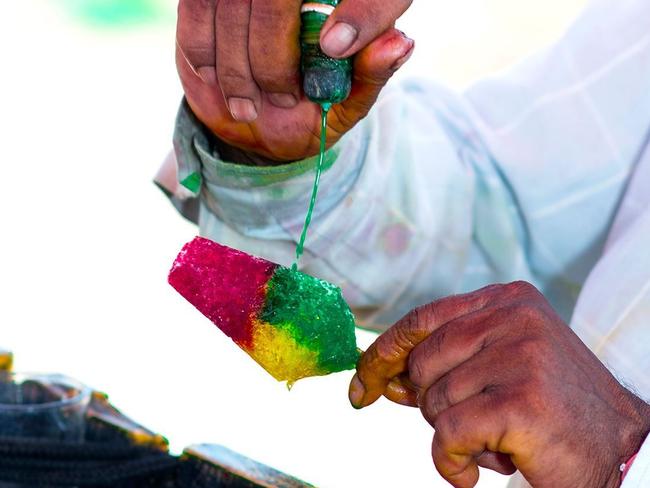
193 182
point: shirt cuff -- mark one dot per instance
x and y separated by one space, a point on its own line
267 202
183 199
639 473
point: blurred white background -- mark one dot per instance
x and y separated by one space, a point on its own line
88 105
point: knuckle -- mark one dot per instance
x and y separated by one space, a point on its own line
530 316
527 349
403 332
386 349
522 402
448 426
520 285
276 81
442 393
232 22
438 399
534 353
368 359
520 319
494 392
422 360
344 118
265 55
195 7
275 13
438 339
522 288
421 318
511 293
492 289
421 372
373 78
416 369
510 403
232 79
194 13
490 294
403 338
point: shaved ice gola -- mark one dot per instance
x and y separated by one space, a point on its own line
292 324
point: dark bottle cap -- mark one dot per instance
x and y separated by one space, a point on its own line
325 80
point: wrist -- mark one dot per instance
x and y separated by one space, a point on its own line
633 431
638 426
189 126
233 154
625 467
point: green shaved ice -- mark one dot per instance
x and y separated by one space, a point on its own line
314 312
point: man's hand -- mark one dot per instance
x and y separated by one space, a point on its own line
239 65
505 383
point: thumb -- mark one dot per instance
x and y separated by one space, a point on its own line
355 23
373 67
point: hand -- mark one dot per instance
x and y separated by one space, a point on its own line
239 65
505 383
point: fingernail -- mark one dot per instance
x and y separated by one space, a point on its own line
357 392
208 74
339 39
405 57
283 100
242 109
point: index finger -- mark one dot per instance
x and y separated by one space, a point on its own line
388 356
195 32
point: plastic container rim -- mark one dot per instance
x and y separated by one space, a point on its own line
83 391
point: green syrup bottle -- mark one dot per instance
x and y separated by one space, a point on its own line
325 80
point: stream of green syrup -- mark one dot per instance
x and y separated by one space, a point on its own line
314 193
325 107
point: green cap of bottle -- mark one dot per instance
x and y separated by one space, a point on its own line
325 79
